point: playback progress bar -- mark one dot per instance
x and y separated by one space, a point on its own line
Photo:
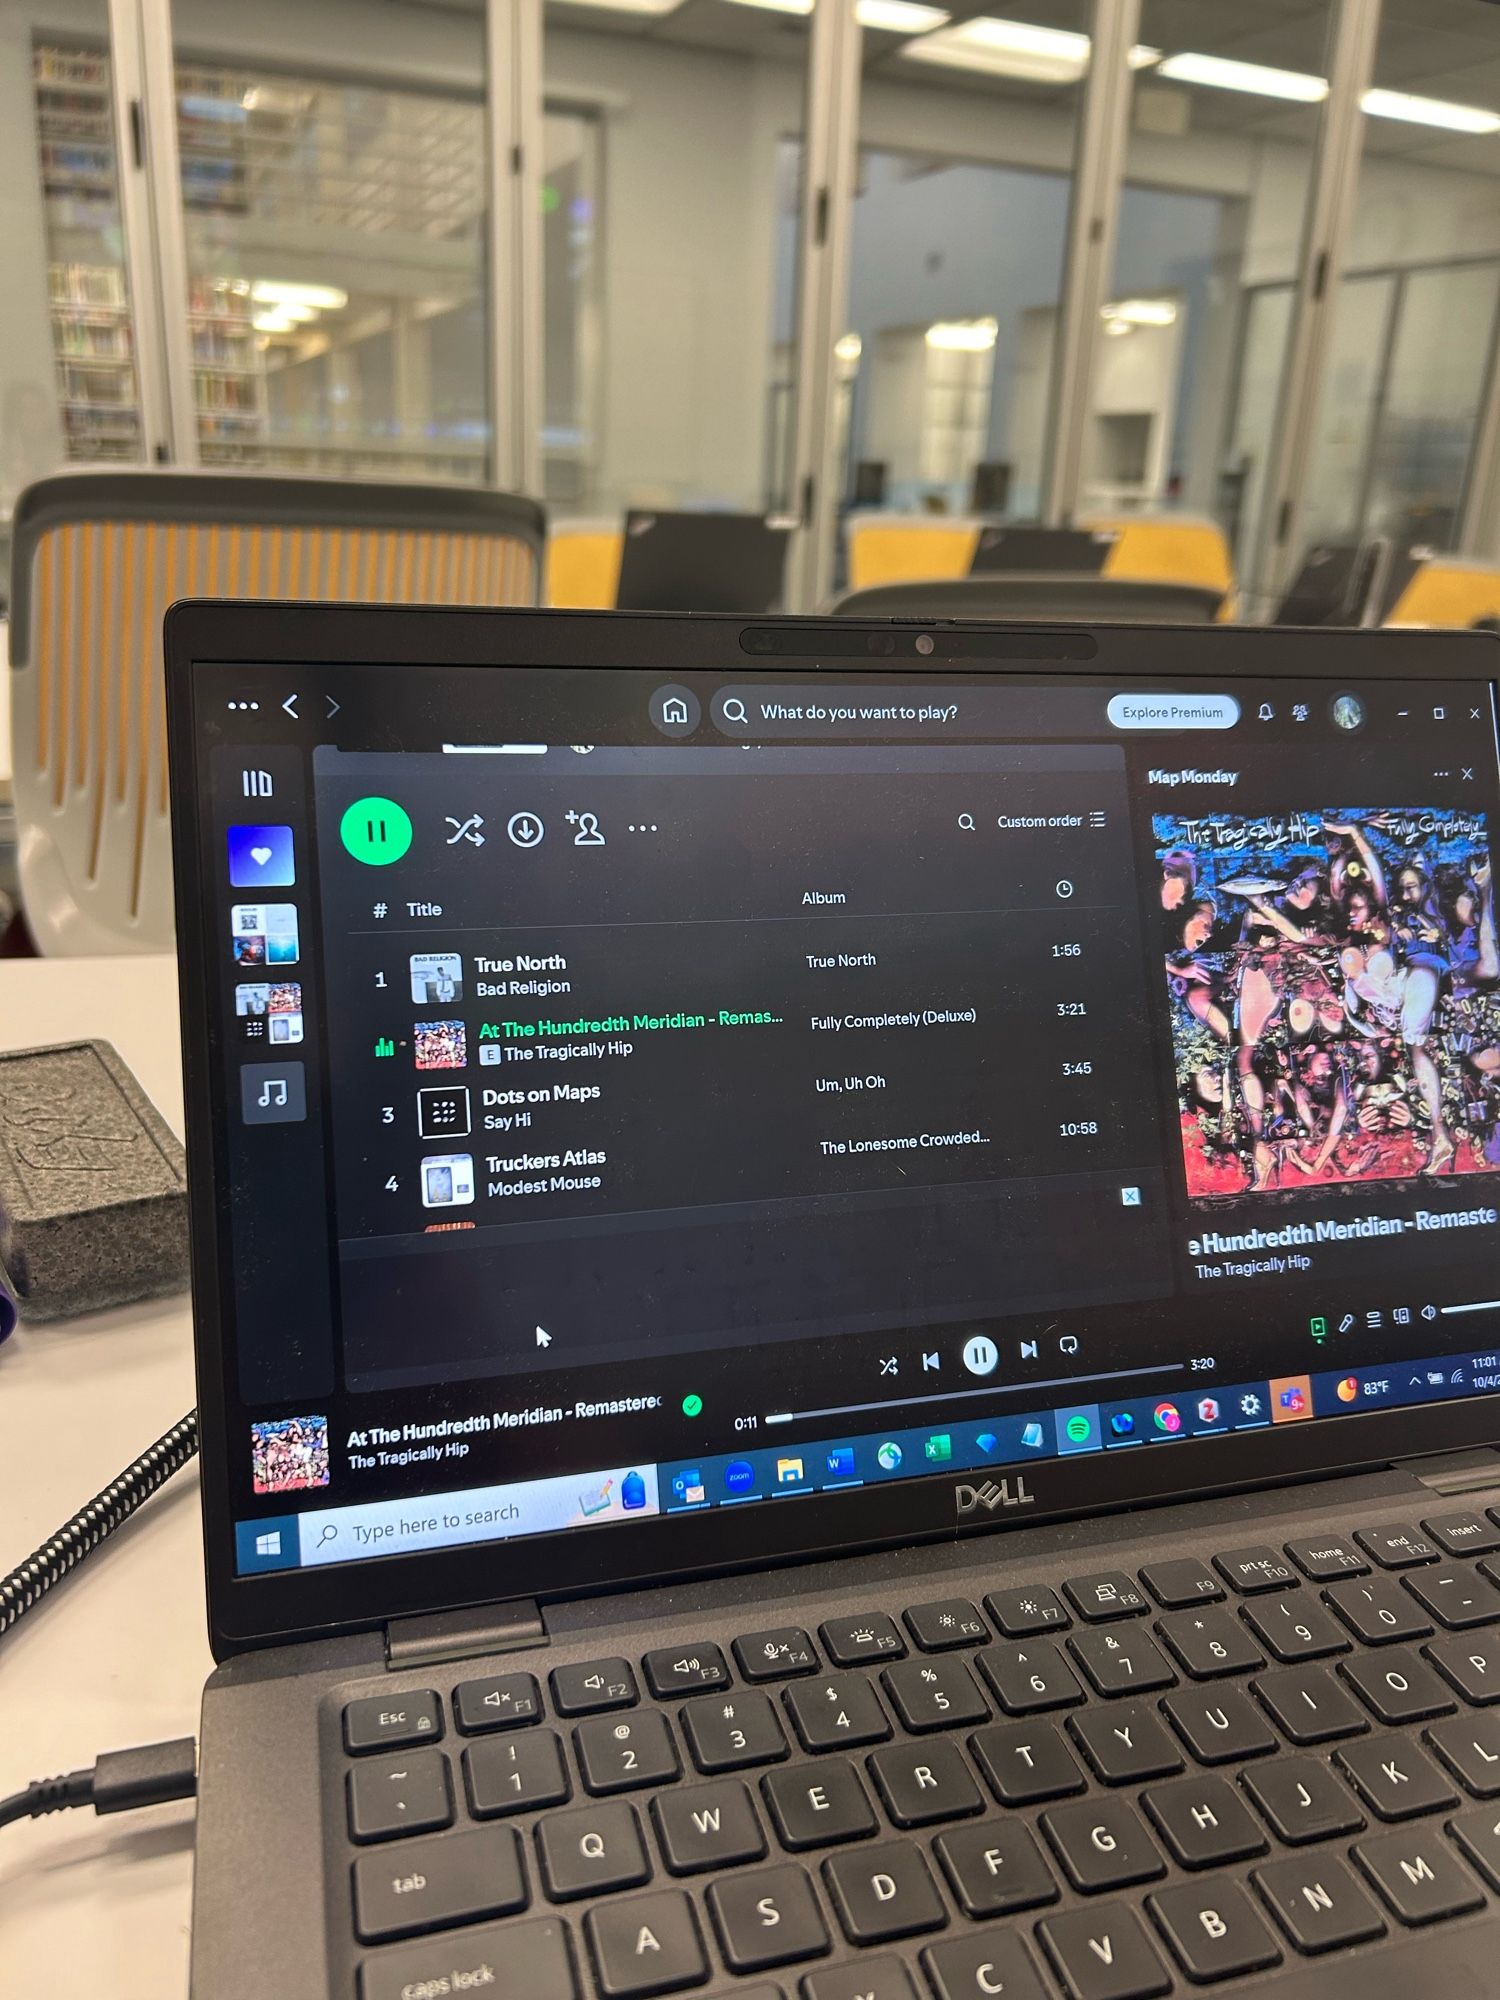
969 1395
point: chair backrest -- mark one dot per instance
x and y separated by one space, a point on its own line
902 548
702 562
1148 548
583 564
96 560
1051 600
1426 587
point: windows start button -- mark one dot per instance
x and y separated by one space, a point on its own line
1173 711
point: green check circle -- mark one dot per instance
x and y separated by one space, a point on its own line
376 831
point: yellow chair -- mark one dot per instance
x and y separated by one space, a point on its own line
583 565
907 548
1165 548
1448 591
96 560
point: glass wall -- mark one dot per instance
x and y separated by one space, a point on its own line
1223 122
572 169
335 229
967 131
670 301
68 382
1416 321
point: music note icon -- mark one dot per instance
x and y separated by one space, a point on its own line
273 1093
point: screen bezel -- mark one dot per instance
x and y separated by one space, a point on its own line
283 1606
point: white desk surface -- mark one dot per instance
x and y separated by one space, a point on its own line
117 1654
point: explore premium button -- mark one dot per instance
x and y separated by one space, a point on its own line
1173 711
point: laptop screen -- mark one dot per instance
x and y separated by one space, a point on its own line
651 1099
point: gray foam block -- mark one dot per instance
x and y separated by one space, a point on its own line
93 1186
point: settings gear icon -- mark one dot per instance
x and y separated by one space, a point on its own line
1250 1405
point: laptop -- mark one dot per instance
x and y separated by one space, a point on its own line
848 1343
695 561
1027 545
1340 583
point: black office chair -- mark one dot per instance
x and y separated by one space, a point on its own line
1052 600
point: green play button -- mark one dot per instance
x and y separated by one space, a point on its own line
376 831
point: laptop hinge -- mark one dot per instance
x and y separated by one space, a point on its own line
1455 1471
458 1635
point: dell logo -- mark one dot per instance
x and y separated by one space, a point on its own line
994 1493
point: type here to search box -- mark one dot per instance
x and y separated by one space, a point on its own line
477 1514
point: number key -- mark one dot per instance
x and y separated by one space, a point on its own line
934 1694
506 1774
1379 1612
1209 1643
1027 1678
730 1733
1295 1628
830 1714
1121 1662
623 1756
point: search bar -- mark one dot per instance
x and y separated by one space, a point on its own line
478 1514
934 712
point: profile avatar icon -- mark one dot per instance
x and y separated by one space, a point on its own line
588 834
1348 711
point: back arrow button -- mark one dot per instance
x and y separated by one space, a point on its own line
290 705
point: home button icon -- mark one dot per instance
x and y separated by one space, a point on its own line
676 711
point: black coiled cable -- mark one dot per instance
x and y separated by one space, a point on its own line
30 1580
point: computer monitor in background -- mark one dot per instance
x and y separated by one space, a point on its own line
991 491
869 483
702 562
1042 551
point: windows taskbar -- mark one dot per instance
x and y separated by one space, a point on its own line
778 1471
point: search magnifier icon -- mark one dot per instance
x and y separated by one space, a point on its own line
330 1534
734 710
966 821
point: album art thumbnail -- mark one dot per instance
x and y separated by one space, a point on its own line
1334 985
289 1455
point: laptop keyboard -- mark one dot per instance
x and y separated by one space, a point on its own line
1109 1786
